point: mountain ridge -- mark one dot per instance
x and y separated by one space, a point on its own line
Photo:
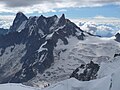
34 33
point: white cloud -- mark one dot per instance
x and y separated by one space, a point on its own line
97 29
6 21
100 17
99 25
97 19
62 10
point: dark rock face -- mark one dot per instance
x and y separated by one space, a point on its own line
117 55
19 19
89 72
62 20
40 36
3 31
117 37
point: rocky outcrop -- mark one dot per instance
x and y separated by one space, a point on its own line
86 72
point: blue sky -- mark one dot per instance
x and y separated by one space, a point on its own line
88 12
73 9
80 12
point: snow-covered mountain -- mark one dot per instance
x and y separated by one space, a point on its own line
29 48
49 49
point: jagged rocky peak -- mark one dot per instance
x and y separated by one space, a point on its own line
41 18
41 23
20 14
49 24
48 19
53 18
19 19
62 20
117 37
63 16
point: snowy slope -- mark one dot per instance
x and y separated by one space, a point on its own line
109 67
10 60
110 82
77 52
108 75
11 86
73 84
